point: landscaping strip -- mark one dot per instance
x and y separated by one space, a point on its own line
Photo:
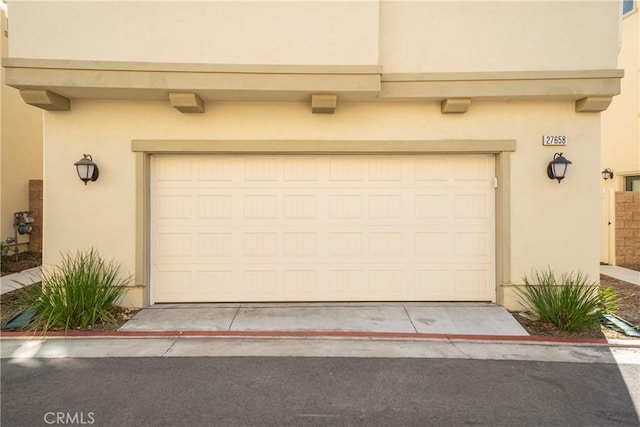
619 324
20 320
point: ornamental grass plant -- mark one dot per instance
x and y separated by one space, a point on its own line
609 300
80 292
570 302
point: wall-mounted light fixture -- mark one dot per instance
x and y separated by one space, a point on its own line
607 174
557 168
87 169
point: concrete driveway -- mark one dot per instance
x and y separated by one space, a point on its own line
402 318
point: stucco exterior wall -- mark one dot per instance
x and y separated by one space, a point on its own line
541 208
462 35
621 122
220 32
621 132
428 36
20 151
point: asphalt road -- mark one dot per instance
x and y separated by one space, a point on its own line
278 391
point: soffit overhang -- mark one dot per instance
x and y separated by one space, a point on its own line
74 79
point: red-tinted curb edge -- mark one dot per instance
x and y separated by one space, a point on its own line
300 334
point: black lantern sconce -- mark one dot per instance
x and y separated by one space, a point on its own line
607 174
557 168
87 169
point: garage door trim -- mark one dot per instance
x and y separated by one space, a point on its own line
145 148
322 147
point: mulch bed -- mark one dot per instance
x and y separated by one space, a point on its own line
629 295
629 310
26 260
11 304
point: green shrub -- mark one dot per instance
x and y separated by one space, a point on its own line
82 291
571 303
608 300
4 253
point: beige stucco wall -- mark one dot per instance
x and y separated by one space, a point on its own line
221 32
410 36
103 212
20 151
621 122
463 35
621 128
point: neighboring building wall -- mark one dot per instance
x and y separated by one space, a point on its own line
36 200
21 152
628 229
621 130
621 121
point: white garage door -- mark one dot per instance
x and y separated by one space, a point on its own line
322 228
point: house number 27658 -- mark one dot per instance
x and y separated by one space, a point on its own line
554 140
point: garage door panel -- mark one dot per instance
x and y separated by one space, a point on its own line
334 205
261 169
212 170
316 228
472 169
344 169
345 206
263 282
299 206
385 169
434 206
430 243
433 170
174 206
472 205
218 282
174 245
433 283
215 206
301 283
385 283
473 283
296 169
472 244
215 245
345 283
300 245
434 244
173 284
175 170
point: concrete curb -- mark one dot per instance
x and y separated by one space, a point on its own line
323 334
